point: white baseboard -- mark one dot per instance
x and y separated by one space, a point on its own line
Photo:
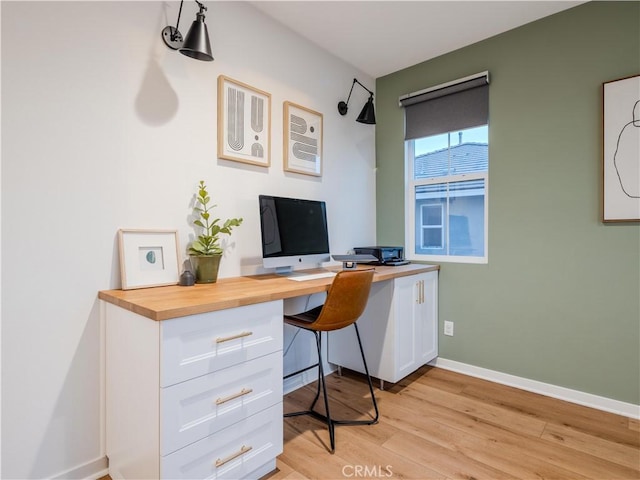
562 393
302 379
89 471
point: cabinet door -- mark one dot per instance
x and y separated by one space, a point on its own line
427 312
416 310
406 300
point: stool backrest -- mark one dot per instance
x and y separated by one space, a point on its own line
346 300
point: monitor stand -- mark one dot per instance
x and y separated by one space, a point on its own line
285 271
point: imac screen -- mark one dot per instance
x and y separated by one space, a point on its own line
293 231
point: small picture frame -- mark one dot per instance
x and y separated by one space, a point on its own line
621 150
302 140
244 123
148 258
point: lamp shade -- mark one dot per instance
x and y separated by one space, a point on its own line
196 43
368 114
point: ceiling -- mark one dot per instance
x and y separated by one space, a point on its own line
382 37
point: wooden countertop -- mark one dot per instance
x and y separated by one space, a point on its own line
162 303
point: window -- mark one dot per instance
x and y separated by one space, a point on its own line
447 184
431 226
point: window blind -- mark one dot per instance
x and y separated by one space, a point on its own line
456 105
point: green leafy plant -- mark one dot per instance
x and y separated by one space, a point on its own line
207 244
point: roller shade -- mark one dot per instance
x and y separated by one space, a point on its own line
452 106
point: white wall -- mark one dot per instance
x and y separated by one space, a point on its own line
104 127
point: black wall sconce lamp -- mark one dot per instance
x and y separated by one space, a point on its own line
368 114
196 43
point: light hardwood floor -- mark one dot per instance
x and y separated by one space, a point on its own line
437 424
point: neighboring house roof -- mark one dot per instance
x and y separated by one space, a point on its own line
465 158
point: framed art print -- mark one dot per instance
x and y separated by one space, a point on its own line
621 150
148 258
244 123
302 140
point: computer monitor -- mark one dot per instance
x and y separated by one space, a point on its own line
294 232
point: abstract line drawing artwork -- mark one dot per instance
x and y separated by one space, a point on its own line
257 114
235 119
302 140
621 150
625 158
244 125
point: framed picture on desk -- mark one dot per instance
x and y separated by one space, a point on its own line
148 258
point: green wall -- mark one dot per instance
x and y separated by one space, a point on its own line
558 301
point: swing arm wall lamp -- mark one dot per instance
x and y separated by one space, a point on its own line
196 43
367 115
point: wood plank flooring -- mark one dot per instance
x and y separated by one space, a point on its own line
437 424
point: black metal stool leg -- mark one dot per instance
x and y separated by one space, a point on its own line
322 386
320 369
373 397
310 411
366 370
327 415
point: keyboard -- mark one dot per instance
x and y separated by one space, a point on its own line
310 276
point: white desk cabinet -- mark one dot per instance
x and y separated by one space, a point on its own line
399 329
198 396
194 375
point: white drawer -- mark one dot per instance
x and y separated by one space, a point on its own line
232 453
197 408
199 344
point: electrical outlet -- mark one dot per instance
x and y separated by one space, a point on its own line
448 328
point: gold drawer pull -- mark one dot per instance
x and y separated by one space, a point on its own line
244 391
233 337
242 451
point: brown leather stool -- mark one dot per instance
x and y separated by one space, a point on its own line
346 300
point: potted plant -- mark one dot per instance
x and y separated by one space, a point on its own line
205 250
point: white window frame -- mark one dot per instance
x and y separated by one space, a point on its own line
410 214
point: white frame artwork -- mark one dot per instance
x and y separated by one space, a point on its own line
244 123
302 140
621 150
148 258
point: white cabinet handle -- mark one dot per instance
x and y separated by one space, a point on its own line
242 451
241 393
233 337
